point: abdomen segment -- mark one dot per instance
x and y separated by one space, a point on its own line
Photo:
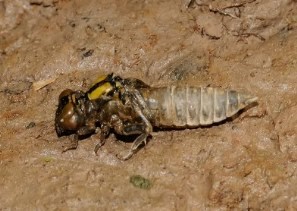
188 106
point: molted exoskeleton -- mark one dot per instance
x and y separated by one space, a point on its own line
129 106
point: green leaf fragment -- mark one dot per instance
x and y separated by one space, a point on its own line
140 182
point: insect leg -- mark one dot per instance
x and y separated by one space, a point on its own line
83 131
104 131
144 128
73 143
141 139
86 130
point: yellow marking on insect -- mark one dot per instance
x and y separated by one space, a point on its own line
100 90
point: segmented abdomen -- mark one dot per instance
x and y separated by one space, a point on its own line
186 106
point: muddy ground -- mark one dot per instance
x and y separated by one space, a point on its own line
248 163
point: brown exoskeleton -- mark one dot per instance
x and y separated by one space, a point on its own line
129 106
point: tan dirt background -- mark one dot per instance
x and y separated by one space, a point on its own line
246 164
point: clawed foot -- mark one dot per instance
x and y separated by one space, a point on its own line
71 146
98 146
140 140
127 156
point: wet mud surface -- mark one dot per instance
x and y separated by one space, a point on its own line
248 163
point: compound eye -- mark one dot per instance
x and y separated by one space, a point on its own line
65 93
69 119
